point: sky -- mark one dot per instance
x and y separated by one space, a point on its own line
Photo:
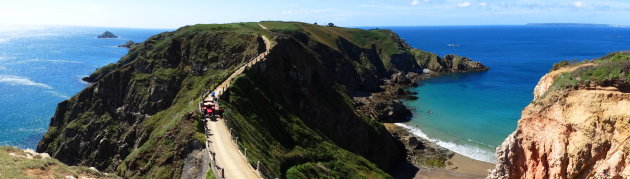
177 13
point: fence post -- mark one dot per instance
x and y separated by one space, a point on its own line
258 166
245 153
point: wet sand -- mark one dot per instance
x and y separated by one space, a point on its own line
459 166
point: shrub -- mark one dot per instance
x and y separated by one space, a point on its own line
559 65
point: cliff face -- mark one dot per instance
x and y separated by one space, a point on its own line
137 118
294 114
576 127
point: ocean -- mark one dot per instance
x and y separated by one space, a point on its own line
472 113
468 113
42 66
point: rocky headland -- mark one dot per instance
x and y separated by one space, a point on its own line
299 113
128 44
577 126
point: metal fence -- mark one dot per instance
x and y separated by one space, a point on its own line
263 171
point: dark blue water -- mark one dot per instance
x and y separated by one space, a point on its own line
472 113
44 66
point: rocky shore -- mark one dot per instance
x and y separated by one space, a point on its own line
434 161
387 107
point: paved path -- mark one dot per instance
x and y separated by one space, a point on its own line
227 154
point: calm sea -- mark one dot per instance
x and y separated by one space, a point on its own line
468 113
40 67
472 113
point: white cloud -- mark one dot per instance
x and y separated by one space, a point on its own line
579 4
287 12
464 4
17 80
416 2
483 4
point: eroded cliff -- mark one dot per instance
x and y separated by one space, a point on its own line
576 127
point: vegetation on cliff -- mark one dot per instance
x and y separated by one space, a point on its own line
294 112
610 70
17 163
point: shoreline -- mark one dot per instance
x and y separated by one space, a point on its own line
456 166
477 154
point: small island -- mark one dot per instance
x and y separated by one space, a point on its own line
107 35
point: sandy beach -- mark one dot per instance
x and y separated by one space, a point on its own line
458 166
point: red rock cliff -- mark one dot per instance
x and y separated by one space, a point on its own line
577 132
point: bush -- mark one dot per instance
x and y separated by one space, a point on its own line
559 65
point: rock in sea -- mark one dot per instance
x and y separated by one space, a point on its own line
107 35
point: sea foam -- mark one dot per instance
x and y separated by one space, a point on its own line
21 81
465 150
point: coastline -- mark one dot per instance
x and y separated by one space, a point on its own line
457 166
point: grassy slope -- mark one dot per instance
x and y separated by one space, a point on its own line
19 167
610 70
384 39
279 138
169 132
283 142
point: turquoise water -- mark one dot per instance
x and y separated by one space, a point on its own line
472 113
40 67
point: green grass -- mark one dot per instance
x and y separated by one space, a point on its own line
613 69
283 142
282 27
239 28
210 175
17 167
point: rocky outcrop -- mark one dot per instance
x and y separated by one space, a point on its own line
454 63
572 131
107 35
391 111
128 45
421 152
431 62
17 163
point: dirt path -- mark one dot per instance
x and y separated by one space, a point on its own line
227 154
262 26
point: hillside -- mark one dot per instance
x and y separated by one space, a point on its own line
17 163
576 127
294 112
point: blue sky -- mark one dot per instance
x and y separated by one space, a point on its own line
176 13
